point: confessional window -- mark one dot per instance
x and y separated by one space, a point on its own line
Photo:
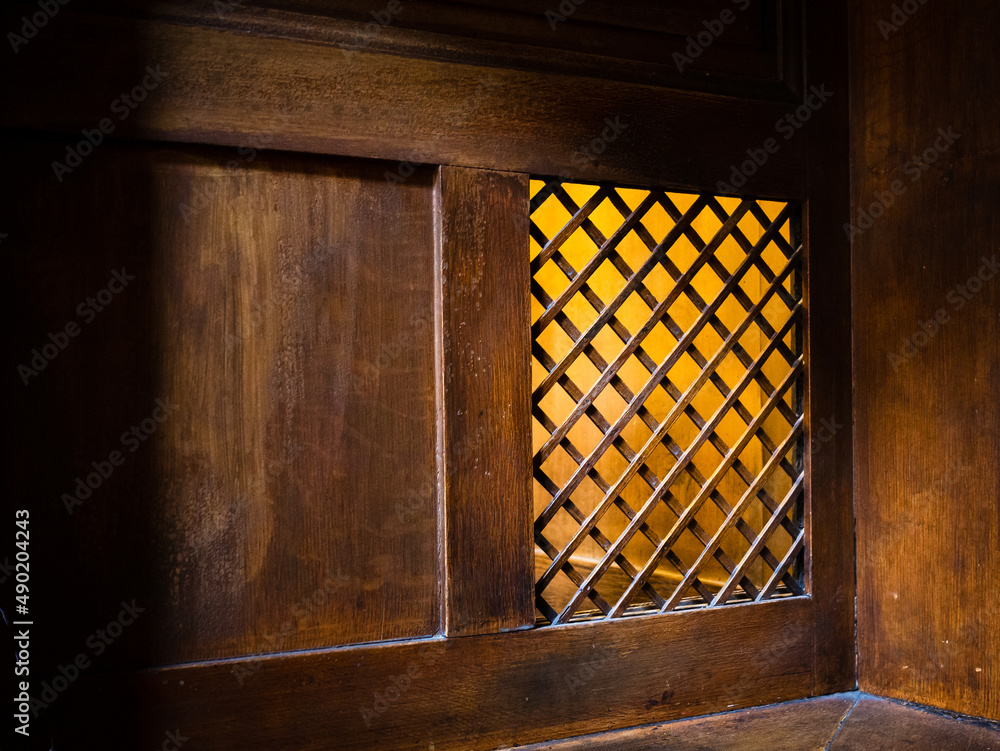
667 344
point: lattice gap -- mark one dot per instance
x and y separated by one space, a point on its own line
667 400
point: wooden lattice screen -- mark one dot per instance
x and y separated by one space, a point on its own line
681 485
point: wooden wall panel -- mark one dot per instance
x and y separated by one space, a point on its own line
634 41
465 694
748 48
297 89
927 351
287 308
291 503
487 542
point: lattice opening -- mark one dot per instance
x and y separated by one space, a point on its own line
667 400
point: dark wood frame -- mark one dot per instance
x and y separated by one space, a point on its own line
485 688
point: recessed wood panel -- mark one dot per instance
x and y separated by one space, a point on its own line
286 309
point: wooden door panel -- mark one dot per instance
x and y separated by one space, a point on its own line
287 308
333 532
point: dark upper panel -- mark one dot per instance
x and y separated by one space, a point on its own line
740 47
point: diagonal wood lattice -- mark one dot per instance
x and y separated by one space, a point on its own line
667 401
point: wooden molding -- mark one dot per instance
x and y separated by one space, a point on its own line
231 88
472 693
484 408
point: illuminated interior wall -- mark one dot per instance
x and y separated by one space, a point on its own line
557 404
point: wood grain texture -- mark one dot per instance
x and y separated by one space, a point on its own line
879 725
471 693
927 453
840 722
293 503
318 97
807 725
749 56
286 308
485 401
829 500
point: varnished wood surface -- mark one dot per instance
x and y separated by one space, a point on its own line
485 408
927 455
840 722
876 725
287 308
829 397
468 693
796 726
755 52
235 89
324 406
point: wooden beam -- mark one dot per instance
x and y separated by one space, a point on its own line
231 88
472 693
